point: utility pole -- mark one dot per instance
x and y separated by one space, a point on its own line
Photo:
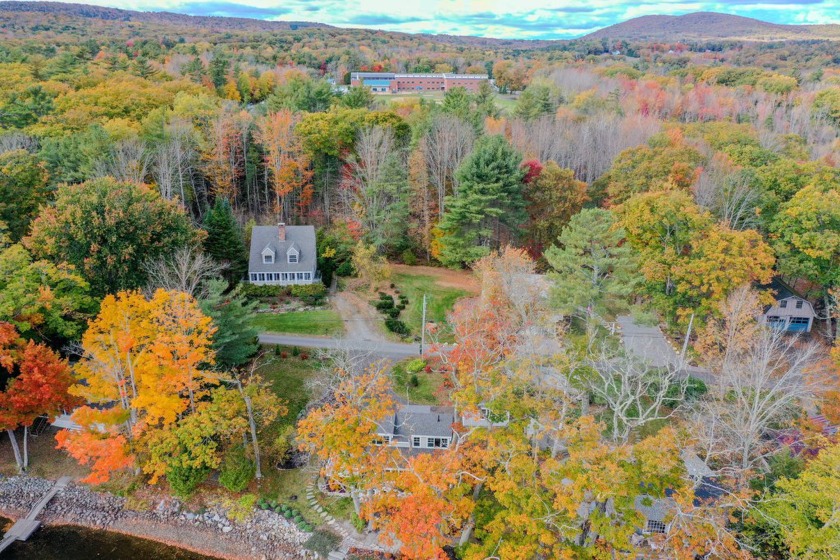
423 327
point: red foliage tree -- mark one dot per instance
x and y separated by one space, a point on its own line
37 384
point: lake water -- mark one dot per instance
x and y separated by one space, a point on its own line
76 543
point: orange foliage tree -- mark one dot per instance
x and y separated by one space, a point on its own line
342 432
141 372
286 162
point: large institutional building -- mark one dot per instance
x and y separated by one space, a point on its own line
387 82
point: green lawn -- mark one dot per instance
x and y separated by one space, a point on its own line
427 389
288 377
439 299
324 322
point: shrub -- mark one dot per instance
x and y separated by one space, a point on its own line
310 294
358 522
393 313
237 471
396 326
304 356
344 269
415 366
383 305
184 480
295 351
414 381
408 257
695 388
253 292
284 355
241 509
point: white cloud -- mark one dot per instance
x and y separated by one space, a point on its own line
491 18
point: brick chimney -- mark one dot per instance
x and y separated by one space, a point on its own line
281 231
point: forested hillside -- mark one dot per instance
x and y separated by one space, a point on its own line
587 181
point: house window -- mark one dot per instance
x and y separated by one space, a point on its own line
268 259
293 257
799 320
253 277
783 304
300 275
437 442
416 441
284 277
655 526
307 276
262 277
799 304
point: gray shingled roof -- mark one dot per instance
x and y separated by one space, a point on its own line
411 419
301 238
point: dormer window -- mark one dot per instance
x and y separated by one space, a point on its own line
783 303
293 255
268 255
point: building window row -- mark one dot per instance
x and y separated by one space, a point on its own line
280 276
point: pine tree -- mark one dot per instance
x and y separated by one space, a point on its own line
224 240
235 341
489 206
592 267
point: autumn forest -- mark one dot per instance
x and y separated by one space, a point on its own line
517 252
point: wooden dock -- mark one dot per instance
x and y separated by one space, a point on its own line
23 528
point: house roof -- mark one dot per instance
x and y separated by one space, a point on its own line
419 420
654 509
301 238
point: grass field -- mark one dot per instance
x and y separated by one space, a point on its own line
288 377
325 322
439 299
428 385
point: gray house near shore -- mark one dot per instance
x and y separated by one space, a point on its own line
283 255
418 428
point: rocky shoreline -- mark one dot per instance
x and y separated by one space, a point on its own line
265 534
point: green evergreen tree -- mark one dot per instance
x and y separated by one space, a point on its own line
224 240
488 205
235 341
592 267
219 69
534 102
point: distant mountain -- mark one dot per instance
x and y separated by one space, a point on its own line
108 18
710 25
176 20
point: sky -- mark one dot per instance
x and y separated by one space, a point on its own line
510 19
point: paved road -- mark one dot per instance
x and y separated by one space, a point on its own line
647 343
393 350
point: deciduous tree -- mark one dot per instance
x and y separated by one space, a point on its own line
36 382
107 229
